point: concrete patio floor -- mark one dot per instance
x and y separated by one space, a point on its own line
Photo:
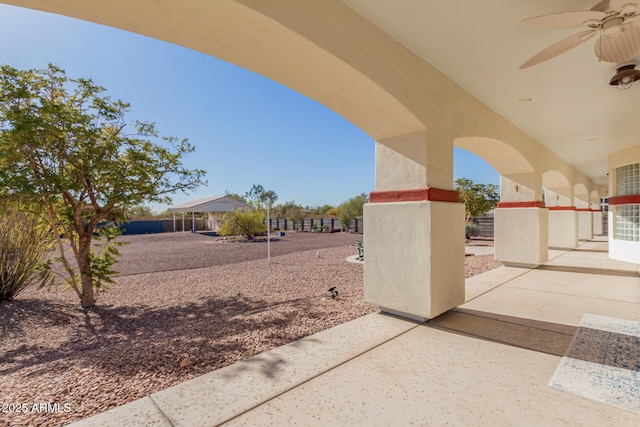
487 362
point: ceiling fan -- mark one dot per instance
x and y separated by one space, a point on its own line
616 22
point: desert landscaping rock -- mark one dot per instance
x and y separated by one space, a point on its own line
180 307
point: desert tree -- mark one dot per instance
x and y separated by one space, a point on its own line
235 196
68 154
351 209
292 211
258 197
141 212
478 199
322 210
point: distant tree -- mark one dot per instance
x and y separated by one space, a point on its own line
333 212
351 209
65 155
259 197
296 215
235 197
478 199
255 193
292 211
141 212
269 197
322 210
247 223
165 214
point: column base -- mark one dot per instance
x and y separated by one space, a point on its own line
403 315
597 223
585 224
521 236
414 262
563 229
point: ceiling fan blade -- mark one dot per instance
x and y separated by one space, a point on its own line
562 19
619 47
558 48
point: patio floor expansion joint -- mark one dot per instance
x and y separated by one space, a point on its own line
159 408
506 282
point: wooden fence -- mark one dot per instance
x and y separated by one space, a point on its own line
486 225
309 224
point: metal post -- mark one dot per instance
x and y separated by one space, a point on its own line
193 222
183 221
269 231
174 222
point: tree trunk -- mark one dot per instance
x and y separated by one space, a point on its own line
87 299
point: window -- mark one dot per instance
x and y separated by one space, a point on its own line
628 180
627 219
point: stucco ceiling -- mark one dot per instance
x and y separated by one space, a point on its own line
481 45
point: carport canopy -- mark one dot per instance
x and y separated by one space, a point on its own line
216 204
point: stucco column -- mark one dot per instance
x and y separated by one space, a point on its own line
597 222
585 218
563 219
414 234
521 230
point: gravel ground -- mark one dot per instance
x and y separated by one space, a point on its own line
182 306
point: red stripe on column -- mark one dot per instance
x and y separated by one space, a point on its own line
524 204
625 200
414 195
583 209
561 208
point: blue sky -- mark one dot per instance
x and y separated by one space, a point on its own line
247 129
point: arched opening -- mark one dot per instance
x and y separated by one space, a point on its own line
504 158
519 210
479 247
557 190
581 196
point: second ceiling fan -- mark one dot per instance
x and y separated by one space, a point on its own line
616 22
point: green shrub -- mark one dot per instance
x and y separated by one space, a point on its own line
246 223
24 245
471 229
350 210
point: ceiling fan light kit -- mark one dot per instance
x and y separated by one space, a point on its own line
616 22
625 76
613 26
